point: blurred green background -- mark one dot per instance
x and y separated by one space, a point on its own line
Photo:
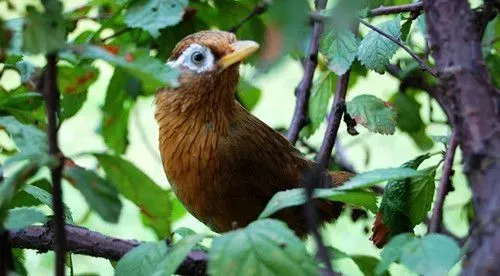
365 151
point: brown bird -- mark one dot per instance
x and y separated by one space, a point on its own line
223 163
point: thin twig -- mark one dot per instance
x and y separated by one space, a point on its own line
422 64
116 34
444 184
414 7
85 242
258 10
337 110
51 96
303 90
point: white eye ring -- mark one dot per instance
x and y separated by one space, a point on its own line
196 58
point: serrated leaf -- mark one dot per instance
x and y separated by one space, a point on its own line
375 50
99 194
22 217
295 197
433 254
370 178
44 197
340 49
38 25
421 194
264 247
155 258
153 15
31 141
74 82
321 93
247 94
373 113
149 70
12 183
154 202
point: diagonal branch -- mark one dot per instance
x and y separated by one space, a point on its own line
83 241
422 63
414 7
258 10
334 120
304 89
51 97
444 185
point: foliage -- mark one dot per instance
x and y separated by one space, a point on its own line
135 37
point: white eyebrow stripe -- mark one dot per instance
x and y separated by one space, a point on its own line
185 59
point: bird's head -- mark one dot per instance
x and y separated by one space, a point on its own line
209 60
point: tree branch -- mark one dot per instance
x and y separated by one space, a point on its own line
422 63
474 105
414 7
51 97
258 10
303 90
444 185
85 242
338 108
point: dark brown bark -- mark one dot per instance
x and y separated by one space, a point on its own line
474 106
83 241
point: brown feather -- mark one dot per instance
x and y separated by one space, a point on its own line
223 163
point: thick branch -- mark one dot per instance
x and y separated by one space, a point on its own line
334 120
303 90
474 104
85 242
414 7
444 185
422 63
51 96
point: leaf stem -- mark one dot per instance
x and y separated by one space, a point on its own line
51 97
414 7
444 184
258 10
422 64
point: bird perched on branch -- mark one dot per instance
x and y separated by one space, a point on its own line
223 163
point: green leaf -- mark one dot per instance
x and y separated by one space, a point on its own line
19 261
396 201
153 15
26 70
493 64
74 82
373 113
376 50
370 178
38 193
421 194
22 217
295 197
264 247
38 25
155 258
405 29
247 94
321 93
392 251
340 49
433 254
31 141
12 183
154 202
409 119
149 70
116 112
99 194
366 264
24 105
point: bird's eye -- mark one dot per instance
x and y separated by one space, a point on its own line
197 57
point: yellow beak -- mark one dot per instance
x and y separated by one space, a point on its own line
241 50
